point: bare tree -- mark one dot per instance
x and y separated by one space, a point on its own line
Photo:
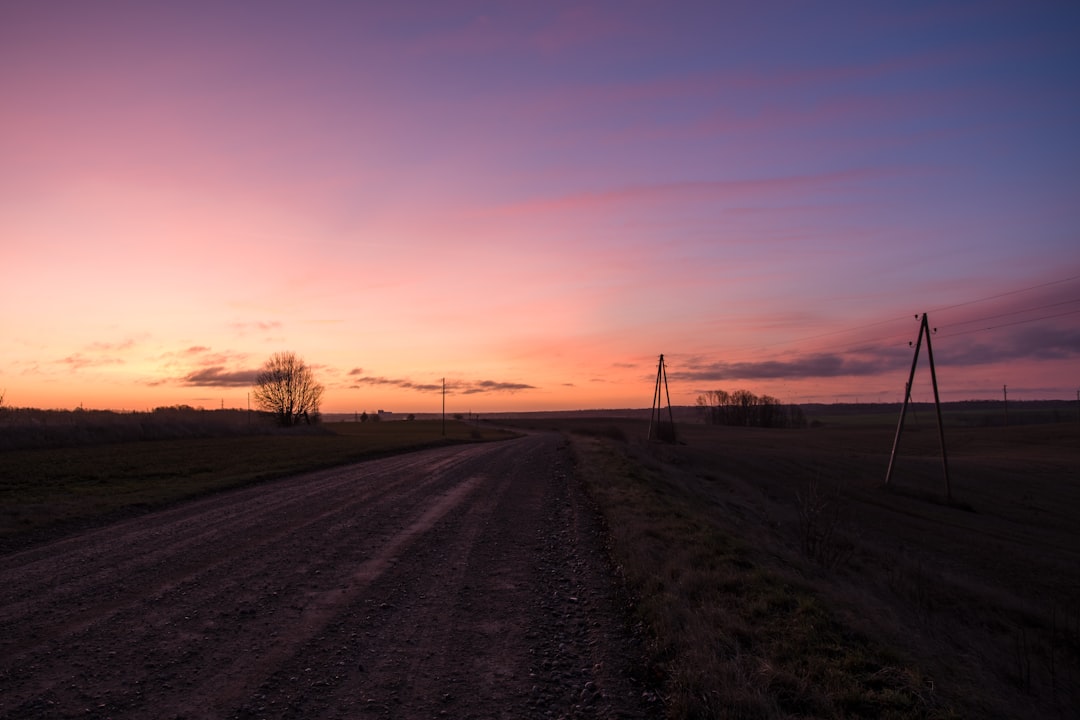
286 386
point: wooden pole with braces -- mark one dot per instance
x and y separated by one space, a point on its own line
655 419
924 330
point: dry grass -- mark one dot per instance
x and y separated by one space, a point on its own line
732 637
777 578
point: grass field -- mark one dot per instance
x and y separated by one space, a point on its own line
777 577
47 491
971 413
773 573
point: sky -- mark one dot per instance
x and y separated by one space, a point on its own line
535 200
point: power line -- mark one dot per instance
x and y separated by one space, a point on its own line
1018 322
830 333
934 310
869 344
1005 294
1014 312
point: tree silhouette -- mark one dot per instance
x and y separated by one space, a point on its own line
286 386
743 407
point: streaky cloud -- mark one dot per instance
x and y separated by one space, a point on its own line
1026 343
78 361
486 386
819 365
255 326
1034 343
109 347
393 382
459 387
218 376
701 190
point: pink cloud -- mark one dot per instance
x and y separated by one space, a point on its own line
255 326
78 361
690 191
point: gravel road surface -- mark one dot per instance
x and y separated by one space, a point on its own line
463 582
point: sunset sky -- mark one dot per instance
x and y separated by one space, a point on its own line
535 200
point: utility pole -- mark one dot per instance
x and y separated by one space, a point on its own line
924 331
444 407
657 429
1005 392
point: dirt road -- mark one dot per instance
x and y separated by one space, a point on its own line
459 582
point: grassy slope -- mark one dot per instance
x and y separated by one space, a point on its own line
914 609
733 637
44 491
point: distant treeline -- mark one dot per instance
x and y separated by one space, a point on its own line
959 413
29 428
745 409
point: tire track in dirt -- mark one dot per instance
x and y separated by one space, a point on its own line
236 682
162 582
187 559
414 585
147 537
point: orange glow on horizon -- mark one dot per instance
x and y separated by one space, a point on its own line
534 208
